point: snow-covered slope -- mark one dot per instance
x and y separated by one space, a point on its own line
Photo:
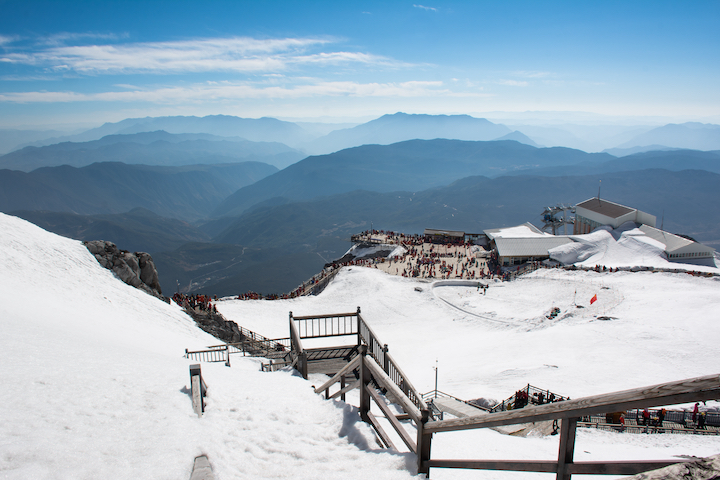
623 247
95 385
656 327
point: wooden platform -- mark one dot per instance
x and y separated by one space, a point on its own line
329 361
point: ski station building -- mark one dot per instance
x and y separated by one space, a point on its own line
594 213
522 244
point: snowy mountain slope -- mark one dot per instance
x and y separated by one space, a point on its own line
95 385
658 327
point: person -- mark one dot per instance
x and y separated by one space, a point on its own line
701 420
622 422
695 412
646 416
661 417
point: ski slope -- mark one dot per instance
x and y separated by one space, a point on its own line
95 384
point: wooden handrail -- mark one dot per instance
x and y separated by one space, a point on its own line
311 317
682 391
336 378
385 382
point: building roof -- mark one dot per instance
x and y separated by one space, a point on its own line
671 241
448 233
526 230
605 207
528 246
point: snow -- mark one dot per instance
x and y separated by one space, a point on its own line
624 247
520 231
361 251
96 385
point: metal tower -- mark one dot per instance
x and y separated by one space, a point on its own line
550 218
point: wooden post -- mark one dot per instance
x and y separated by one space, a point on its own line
342 387
424 440
303 365
227 352
197 389
386 361
567 447
364 383
359 336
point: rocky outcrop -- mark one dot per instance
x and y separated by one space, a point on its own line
216 325
697 469
136 269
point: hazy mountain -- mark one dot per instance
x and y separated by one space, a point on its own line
254 129
138 230
587 137
693 135
476 203
409 166
317 227
673 159
402 126
624 152
12 139
152 148
519 137
187 193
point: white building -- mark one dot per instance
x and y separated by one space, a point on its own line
680 249
596 212
523 243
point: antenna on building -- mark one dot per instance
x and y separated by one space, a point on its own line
599 185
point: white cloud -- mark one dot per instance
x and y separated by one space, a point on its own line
532 74
5 39
432 9
238 54
513 83
230 91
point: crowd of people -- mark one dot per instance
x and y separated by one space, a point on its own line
196 302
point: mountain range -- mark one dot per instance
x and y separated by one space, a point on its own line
412 165
219 224
188 193
152 148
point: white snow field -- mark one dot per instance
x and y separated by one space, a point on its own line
95 384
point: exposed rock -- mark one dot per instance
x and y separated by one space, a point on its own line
136 269
698 469
216 325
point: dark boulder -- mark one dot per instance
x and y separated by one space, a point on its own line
136 269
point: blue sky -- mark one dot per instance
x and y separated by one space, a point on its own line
66 62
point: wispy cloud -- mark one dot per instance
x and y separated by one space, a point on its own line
532 74
6 39
238 54
513 83
432 9
228 91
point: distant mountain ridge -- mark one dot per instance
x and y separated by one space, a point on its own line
188 193
691 135
152 148
399 127
263 129
405 166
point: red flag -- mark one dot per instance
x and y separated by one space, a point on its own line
594 299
